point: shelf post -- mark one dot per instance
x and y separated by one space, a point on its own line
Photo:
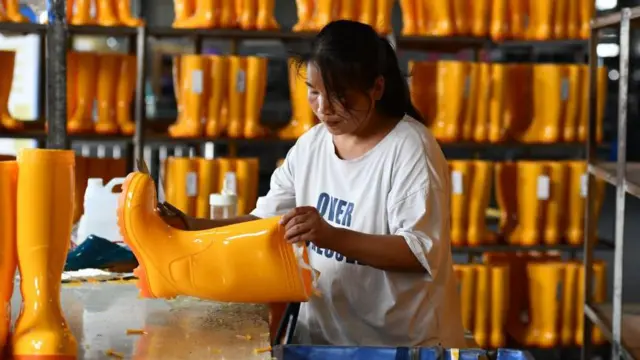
625 25
140 105
56 75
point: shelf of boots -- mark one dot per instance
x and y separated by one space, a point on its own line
22 28
607 171
614 19
601 316
114 31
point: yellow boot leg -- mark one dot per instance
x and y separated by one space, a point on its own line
480 192
518 13
586 11
499 305
572 105
367 12
506 174
256 88
543 11
550 283
249 15
423 89
228 15
7 61
324 14
8 262
498 84
219 80
443 24
383 16
450 89
72 82
568 304
307 117
207 184
12 11
482 308
467 282
498 25
179 88
183 10
573 20
579 306
81 119
289 132
599 296
81 10
305 9
237 96
409 16
106 13
469 117
202 17
484 96
45 211
549 90
533 331
218 266
534 191
124 96
518 103
108 66
125 16
574 234
560 17
462 175
183 173
194 71
461 16
266 15
556 204
247 177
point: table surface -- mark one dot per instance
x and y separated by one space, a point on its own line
100 314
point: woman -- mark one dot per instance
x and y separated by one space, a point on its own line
368 190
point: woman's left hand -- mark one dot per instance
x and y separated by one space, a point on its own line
305 223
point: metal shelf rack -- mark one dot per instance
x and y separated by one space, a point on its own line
620 324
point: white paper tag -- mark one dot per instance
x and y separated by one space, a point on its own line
241 81
192 184
196 81
583 185
230 182
543 187
117 152
457 186
564 89
102 151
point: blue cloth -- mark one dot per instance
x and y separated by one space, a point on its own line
301 352
98 253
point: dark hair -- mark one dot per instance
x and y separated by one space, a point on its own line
351 56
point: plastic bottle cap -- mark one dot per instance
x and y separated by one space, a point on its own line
95 182
222 200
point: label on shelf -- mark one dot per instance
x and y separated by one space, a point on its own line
584 187
241 81
543 187
196 81
457 187
192 184
102 151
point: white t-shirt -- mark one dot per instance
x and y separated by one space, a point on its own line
399 187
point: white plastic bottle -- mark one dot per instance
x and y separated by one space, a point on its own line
225 204
100 216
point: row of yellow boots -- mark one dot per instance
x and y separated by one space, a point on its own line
499 19
536 298
7 62
313 15
244 14
36 213
10 12
223 95
189 182
102 13
540 202
484 102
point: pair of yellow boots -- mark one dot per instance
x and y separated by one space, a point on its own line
108 13
543 202
249 262
245 14
7 62
313 15
10 12
500 19
543 288
190 181
36 211
109 81
483 102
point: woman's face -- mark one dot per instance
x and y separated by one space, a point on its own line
332 112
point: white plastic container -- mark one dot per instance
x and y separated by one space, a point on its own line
225 204
100 216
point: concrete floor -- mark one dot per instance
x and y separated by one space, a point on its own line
99 315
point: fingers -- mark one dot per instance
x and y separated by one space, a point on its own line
296 232
295 212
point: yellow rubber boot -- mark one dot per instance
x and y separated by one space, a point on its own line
497 114
549 281
469 112
560 17
106 13
125 16
289 131
7 61
574 234
498 25
534 328
462 175
478 201
307 117
237 96
461 17
45 211
12 11
124 94
518 12
228 15
467 281
81 119
249 14
256 89
202 17
423 89
183 10
518 102
441 12
452 77
8 189
304 9
540 27
506 174
409 16
192 74
248 262
367 11
556 204
108 71
484 98
219 85
572 105
266 15
569 294
247 179
599 296
81 12
586 11
207 184
383 16
534 191
72 82
425 18
183 175
348 10
482 305
550 94
579 306
573 20
499 305
179 88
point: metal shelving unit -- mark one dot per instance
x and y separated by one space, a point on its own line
619 323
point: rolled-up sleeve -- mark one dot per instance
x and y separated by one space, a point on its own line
419 218
282 195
